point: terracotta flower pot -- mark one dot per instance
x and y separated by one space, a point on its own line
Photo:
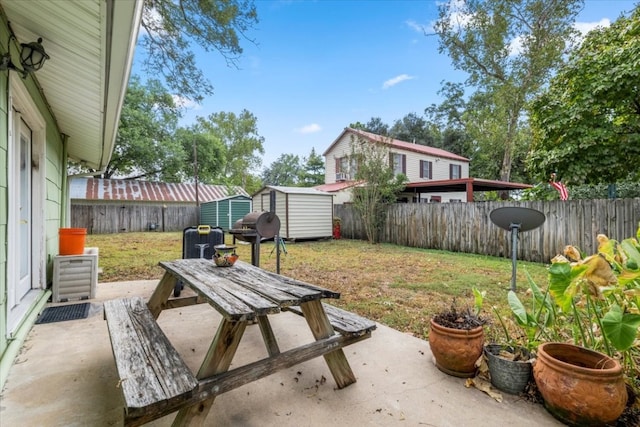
580 387
456 350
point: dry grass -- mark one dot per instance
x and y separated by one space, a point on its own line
398 286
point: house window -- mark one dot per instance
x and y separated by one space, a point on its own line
346 168
354 167
455 171
426 169
398 163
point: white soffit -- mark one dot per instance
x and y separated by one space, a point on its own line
91 45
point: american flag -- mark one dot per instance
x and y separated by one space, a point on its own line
562 189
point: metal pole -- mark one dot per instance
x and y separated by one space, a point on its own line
276 239
514 254
195 169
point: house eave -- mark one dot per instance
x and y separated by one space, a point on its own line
91 46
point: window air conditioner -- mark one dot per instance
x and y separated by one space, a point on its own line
341 176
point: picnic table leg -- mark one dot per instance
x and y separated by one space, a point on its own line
268 336
161 294
321 328
217 360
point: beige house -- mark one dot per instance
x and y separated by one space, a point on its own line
419 163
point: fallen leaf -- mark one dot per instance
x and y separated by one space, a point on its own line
485 387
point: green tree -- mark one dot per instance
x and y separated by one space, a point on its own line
447 124
286 171
239 134
473 128
253 184
145 146
313 173
587 123
375 125
509 48
412 128
381 186
204 151
170 28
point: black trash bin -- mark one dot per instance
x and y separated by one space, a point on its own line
199 242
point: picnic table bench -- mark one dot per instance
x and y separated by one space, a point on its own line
154 379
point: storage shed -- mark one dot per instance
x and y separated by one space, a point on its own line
224 212
304 213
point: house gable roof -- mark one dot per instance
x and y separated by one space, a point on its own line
96 189
396 143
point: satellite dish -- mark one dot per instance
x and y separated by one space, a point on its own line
516 219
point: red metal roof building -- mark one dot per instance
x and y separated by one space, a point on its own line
122 190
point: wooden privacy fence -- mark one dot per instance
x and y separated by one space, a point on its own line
123 218
466 227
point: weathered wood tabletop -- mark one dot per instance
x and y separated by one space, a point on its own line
245 294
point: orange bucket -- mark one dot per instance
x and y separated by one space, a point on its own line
72 241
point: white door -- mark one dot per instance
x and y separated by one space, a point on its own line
25 232
20 209
24 214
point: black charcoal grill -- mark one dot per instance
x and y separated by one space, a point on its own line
253 228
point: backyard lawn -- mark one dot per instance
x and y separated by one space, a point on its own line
398 286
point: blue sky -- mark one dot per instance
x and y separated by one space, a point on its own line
318 66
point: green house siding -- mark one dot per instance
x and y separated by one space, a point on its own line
51 168
4 209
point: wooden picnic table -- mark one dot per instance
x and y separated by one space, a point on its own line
155 381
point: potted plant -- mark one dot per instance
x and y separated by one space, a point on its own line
510 363
580 387
583 382
509 367
456 339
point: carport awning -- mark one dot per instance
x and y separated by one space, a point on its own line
468 185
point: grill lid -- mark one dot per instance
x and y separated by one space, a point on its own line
265 224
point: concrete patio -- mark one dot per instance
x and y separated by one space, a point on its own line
66 376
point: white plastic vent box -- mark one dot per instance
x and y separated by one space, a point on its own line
75 276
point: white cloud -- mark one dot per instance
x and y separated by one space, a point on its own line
183 102
312 128
398 79
515 47
585 27
459 17
419 28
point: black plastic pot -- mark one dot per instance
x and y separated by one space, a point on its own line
507 375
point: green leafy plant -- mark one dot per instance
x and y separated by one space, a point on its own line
478 299
537 323
463 318
599 296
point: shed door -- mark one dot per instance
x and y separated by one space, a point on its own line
237 210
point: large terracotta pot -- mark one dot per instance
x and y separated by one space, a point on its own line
580 387
456 350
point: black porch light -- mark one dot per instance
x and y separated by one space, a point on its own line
32 57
